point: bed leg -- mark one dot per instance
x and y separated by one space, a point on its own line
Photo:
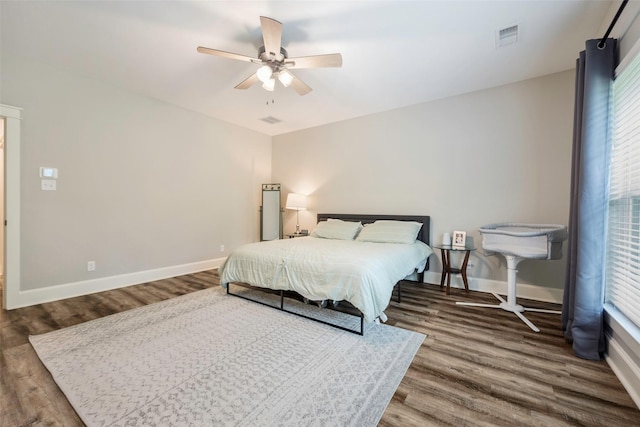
281 300
399 285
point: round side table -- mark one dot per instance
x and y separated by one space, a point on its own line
447 270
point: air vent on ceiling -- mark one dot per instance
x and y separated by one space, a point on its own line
507 36
271 120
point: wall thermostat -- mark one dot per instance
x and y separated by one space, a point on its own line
51 173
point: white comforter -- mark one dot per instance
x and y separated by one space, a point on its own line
362 273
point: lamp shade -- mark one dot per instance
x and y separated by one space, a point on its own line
269 85
264 73
296 201
285 77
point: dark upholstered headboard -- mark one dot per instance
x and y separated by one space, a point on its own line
423 235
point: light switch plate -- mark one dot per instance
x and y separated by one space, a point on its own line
48 184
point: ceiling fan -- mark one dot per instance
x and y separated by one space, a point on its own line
276 62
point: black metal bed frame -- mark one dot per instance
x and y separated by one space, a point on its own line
282 308
423 236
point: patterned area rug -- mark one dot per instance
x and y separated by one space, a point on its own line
208 358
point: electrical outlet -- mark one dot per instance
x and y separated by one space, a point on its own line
48 184
91 266
221 248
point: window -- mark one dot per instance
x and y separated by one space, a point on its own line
623 236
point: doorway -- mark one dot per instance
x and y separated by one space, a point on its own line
2 243
10 165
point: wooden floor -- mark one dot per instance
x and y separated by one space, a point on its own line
477 367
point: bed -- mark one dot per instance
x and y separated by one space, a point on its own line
341 261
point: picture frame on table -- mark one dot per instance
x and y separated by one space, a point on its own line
459 239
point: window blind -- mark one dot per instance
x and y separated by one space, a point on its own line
622 273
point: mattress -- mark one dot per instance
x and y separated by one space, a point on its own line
362 273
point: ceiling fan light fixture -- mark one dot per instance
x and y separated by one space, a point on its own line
269 85
273 59
264 73
285 78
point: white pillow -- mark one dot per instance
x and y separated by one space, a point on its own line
337 229
384 231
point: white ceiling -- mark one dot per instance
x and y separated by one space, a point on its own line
395 53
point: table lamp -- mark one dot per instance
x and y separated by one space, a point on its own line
298 202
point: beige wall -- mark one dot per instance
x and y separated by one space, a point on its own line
142 185
627 29
497 155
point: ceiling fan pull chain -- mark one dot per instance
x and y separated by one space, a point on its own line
273 99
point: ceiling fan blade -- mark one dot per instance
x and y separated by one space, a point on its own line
229 55
272 36
248 82
317 61
301 87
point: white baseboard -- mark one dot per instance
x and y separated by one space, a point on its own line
70 290
533 292
625 369
623 350
85 287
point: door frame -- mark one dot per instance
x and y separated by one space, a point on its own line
11 286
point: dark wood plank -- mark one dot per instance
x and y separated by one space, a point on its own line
477 367
484 366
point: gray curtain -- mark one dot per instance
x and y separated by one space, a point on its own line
582 310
